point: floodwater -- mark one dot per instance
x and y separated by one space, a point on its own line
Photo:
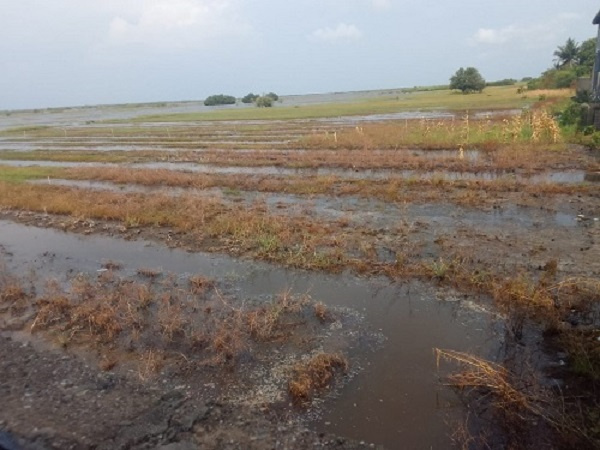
396 399
561 177
357 210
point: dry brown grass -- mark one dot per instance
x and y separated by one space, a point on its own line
11 290
514 402
154 323
267 323
149 272
506 393
489 132
322 312
200 284
315 374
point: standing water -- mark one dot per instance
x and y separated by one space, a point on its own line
396 401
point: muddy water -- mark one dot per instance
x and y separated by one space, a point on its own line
566 177
36 146
396 398
137 142
408 115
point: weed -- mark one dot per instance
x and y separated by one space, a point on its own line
112 265
322 312
200 284
314 374
151 362
149 272
439 269
171 317
515 399
11 291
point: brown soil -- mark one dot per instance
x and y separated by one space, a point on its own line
53 400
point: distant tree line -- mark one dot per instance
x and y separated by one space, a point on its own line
262 101
505 82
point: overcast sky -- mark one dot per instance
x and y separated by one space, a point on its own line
77 52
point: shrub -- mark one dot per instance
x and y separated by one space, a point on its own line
264 102
249 98
219 99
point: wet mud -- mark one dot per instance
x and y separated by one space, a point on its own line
403 314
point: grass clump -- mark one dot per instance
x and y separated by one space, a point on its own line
315 374
153 323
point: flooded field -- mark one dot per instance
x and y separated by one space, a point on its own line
388 281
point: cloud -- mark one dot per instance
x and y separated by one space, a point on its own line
381 4
176 23
499 36
530 35
342 32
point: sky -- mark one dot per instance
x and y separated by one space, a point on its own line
86 52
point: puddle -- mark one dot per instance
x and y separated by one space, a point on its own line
30 147
396 398
102 186
152 144
22 163
408 115
468 155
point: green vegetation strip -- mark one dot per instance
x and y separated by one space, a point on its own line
502 97
21 174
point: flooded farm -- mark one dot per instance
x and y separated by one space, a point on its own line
410 280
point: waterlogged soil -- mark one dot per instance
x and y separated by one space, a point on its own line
87 115
61 395
358 211
115 409
557 177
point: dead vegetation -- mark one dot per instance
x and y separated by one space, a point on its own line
315 374
514 402
13 294
163 321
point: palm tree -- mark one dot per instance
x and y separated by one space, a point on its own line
566 55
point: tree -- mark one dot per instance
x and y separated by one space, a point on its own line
273 96
587 55
249 98
566 55
467 80
264 101
219 99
